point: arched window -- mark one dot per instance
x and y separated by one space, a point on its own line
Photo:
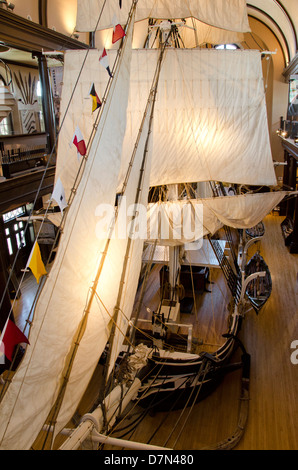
226 46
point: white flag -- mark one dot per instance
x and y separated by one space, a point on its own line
59 195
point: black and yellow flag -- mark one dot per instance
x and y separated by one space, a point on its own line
96 103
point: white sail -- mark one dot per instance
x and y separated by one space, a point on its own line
185 221
108 287
225 14
61 306
210 117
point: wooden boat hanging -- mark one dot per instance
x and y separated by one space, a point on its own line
256 231
259 289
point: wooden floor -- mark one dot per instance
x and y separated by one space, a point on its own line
273 417
273 409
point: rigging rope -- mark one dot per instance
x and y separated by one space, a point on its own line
144 285
81 327
203 369
151 102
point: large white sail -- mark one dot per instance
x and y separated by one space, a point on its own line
210 117
62 303
225 14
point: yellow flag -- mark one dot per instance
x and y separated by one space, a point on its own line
35 263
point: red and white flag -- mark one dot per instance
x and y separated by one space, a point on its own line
78 141
104 60
118 31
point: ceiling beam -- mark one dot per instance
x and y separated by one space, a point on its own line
21 33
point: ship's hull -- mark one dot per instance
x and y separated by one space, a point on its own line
172 380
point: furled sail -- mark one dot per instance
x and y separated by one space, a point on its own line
184 221
61 305
179 222
246 210
188 33
225 14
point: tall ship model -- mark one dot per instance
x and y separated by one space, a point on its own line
168 170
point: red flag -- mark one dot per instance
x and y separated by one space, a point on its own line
118 31
12 336
79 142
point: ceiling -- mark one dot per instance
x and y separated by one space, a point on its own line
281 16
